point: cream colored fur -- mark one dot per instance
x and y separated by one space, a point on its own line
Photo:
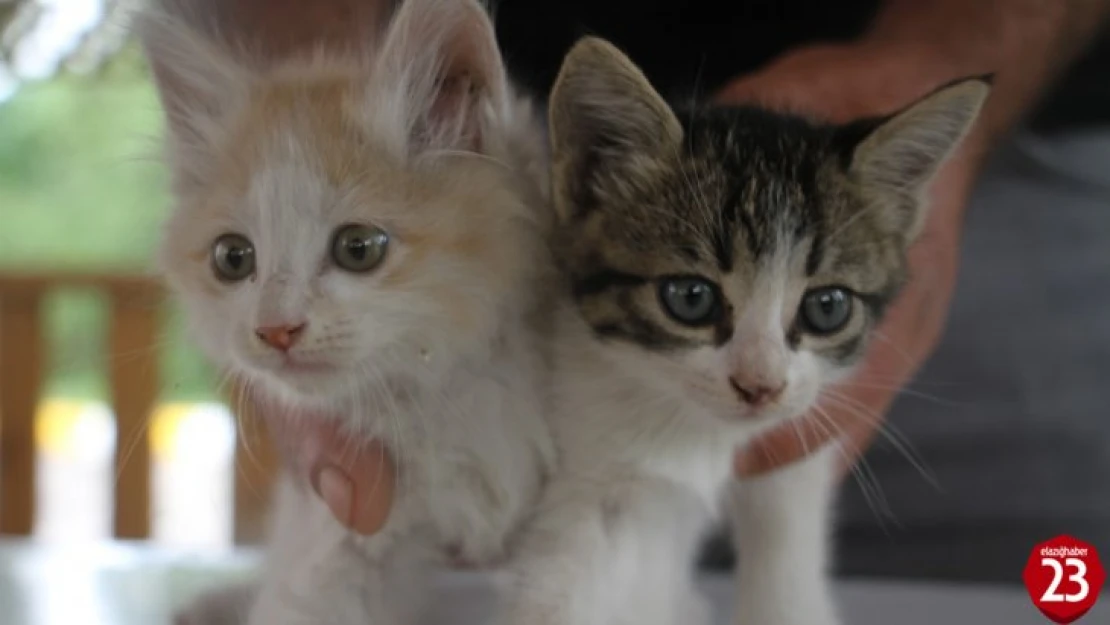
436 352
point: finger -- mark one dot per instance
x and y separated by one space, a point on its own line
357 483
768 91
335 488
354 478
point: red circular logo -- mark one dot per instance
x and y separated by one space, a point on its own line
1063 577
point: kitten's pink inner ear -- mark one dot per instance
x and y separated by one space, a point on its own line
456 101
452 43
470 77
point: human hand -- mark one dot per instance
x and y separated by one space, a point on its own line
355 478
839 83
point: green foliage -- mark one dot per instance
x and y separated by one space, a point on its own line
81 188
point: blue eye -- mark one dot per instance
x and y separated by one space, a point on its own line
826 310
692 301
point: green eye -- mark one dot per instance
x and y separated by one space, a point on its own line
358 248
233 258
692 301
826 310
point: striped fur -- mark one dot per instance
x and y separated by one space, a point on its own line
757 209
722 192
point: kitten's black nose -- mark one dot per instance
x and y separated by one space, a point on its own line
280 338
756 394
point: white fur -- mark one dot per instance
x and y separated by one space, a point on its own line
646 440
646 456
444 366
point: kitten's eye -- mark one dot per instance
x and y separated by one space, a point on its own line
359 248
233 257
692 301
826 310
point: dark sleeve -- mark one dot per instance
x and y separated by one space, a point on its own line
694 47
1082 97
684 47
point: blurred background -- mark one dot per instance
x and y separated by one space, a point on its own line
82 196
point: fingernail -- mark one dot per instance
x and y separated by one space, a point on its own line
337 491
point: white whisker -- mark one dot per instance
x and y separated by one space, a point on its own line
857 410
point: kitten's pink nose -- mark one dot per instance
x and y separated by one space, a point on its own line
756 394
282 337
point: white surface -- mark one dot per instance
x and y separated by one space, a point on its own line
123 585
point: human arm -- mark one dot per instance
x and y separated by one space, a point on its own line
912 47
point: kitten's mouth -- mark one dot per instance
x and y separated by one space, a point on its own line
306 379
294 366
747 416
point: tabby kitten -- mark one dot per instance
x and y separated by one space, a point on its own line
726 263
361 237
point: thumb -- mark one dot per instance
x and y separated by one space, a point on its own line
354 476
356 482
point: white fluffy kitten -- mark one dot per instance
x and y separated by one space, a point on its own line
726 265
361 236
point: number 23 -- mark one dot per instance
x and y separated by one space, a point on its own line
1079 577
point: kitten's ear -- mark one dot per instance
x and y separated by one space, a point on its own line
196 80
440 71
602 111
898 156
